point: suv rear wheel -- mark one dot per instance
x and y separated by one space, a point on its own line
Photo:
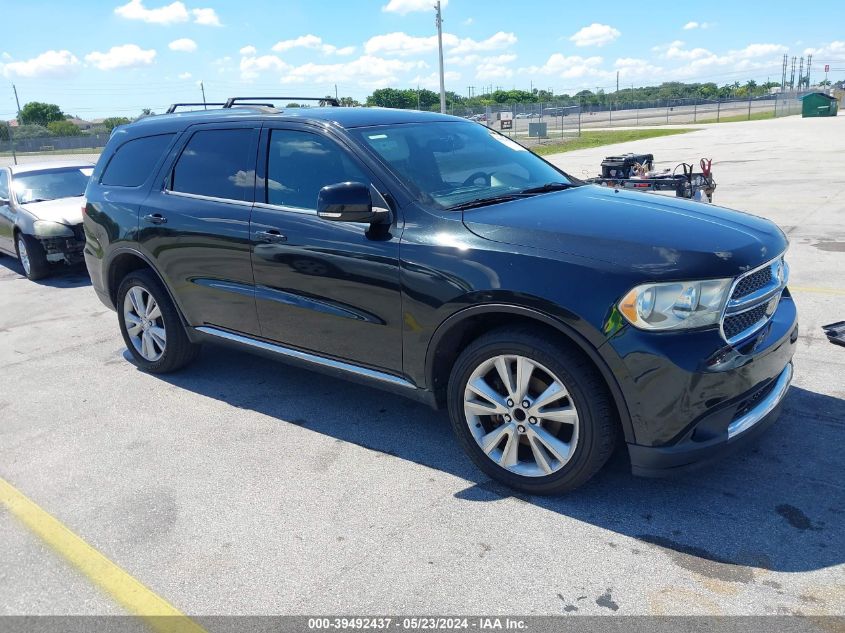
151 326
532 413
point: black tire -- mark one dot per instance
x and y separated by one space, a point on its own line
39 267
597 417
178 351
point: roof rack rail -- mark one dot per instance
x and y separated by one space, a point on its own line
173 106
231 101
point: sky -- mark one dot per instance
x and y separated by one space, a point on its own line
97 58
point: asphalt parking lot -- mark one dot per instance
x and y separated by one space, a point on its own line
241 485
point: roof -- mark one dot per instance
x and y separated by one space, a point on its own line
47 165
344 117
818 94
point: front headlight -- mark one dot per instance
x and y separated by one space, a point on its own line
44 228
676 305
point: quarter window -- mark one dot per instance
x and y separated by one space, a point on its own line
4 184
299 164
217 163
134 160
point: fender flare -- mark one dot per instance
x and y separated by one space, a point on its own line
576 337
125 250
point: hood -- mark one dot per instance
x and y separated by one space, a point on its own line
63 210
661 237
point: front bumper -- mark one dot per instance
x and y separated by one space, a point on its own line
657 461
691 397
67 249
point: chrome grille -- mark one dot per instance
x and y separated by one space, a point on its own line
737 324
754 282
753 300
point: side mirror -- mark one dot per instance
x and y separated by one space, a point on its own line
349 202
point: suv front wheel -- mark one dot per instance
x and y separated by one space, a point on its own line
531 412
151 326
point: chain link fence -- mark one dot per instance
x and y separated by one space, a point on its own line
532 123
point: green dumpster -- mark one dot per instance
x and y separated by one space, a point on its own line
818 104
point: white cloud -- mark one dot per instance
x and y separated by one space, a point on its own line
404 45
595 35
169 14
312 42
206 17
126 56
403 7
184 76
5 56
248 50
468 22
252 67
571 67
367 71
432 81
184 45
832 50
689 26
172 13
636 68
47 64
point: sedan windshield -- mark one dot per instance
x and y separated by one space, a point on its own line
456 165
39 186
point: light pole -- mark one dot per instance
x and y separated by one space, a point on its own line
440 51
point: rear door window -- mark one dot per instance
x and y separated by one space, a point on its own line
134 160
217 164
4 184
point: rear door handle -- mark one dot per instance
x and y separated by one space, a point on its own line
272 236
155 218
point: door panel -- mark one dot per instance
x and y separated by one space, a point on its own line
196 228
328 287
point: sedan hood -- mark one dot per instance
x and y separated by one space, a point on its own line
661 237
63 210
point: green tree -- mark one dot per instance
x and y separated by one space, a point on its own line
63 128
113 121
30 131
38 113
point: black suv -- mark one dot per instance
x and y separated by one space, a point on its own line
437 258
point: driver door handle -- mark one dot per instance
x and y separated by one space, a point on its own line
272 236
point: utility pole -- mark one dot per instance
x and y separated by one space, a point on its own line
801 74
792 74
17 101
783 74
439 23
809 65
335 92
202 87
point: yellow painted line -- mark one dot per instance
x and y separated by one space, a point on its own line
161 616
824 291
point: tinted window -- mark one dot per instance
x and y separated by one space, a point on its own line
4 184
299 164
217 163
132 163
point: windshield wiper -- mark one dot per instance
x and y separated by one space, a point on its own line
549 186
483 202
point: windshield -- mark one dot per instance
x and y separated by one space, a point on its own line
39 186
456 164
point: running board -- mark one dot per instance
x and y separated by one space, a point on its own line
312 359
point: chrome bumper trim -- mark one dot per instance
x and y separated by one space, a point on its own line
765 406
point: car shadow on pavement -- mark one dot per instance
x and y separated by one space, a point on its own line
61 275
778 504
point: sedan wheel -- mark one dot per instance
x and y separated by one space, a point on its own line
521 415
144 323
23 255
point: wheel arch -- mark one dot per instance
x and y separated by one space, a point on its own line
470 323
126 260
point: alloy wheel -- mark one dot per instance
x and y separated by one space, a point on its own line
23 255
521 415
144 323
